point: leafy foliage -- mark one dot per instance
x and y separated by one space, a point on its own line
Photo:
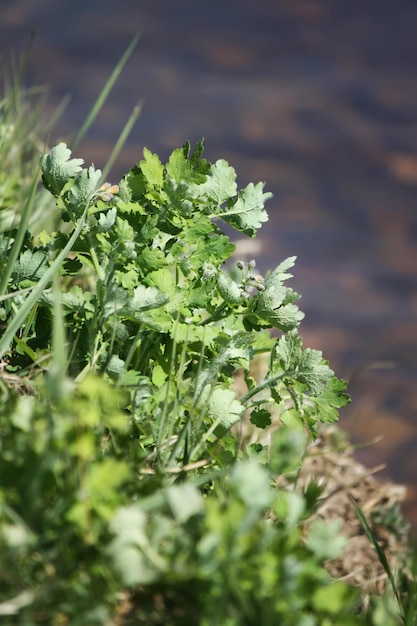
121 466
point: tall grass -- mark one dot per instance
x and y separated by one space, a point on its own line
24 203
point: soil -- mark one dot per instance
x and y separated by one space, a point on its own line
331 462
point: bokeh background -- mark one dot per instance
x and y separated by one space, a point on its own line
319 99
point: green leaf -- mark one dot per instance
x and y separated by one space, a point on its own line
252 482
260 418
152 169
289 506
248 214
159 376
230 291
75 299
275 303
223 407
127 279
106 220
5 243
314 371
152 259
115 366
126 549
146 298
30 266
58 168
81 192
163 279
220 184
334 598
291 418
325 540
305 365
185 501
180 169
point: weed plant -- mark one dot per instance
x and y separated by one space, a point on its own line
124 486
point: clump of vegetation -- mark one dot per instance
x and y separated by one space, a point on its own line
128 493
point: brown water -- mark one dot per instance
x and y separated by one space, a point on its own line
318 98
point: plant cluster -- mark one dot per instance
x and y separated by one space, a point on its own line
124 475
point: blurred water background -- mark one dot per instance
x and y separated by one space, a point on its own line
316 97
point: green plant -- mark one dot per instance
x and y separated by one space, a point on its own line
123 473
79 523
148 303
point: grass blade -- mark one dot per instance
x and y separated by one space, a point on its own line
121 140
14 253
32 298
379 551
104 94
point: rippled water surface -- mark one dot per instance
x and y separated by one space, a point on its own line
319 99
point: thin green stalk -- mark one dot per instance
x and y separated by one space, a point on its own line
58 368
169 383
216 315
204 438
186 427
59 351
13 294
98 269
33 297
267 383
379 551
104 94
121 140
20 235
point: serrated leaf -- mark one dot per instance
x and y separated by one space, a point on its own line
124 230
163 279
261 418
74 300
31 265
224 407
130 207
305 365
152 168
152 259
155 319
81 192
58 168
146 298
292 418
284 266
313 371
115 366
127 279
274 304
270 299
159 376
117 299
196 159
248 214
188 168
106 220
220 184
179 168
330 400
